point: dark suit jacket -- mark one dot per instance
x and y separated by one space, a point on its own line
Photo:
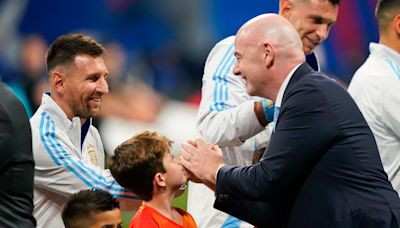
16 163
321 169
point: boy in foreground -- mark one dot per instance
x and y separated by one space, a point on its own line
158 179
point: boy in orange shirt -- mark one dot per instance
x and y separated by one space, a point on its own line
145 165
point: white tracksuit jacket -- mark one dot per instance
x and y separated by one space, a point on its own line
376 89
62 165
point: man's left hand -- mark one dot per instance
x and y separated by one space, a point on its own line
201 161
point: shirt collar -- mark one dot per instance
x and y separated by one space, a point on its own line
56 111
384 51
282 89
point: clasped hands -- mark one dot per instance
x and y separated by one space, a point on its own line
201 161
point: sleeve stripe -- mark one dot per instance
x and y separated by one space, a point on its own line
226 81
223 96
48 136
60 157
41 127
220 76
395 68
67 159
223 61
231 222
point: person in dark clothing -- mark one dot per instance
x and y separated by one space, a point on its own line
16 163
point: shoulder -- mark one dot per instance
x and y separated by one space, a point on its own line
313 91
226 41
321 82
45 119
36 118
221 49
143 218
12 109
370 67
94 131
308 84
143 221
187 218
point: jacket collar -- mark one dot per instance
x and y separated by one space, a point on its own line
303 70
50 106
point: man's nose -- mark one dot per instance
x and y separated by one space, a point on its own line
235 69
322 32
102 85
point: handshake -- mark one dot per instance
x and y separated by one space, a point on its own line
201 161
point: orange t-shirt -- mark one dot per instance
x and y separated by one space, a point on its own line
149 218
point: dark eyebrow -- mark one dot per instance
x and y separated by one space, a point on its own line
97 75
322 19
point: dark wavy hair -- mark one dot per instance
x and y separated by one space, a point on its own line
83 204
66 47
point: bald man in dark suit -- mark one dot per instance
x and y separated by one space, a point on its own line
321 168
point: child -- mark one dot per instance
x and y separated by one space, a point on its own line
92 208
145 165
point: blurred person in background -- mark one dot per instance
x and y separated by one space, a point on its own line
129 98
132 105
33 68
235 121
68 151
376 88
16 163
29 80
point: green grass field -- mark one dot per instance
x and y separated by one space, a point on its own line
178 202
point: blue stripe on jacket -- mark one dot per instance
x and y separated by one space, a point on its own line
60 156
395 68
220 77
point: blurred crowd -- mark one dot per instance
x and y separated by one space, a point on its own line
155 53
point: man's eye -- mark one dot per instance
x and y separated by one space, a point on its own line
318 20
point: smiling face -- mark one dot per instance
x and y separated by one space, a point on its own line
84 83
312 19
250 65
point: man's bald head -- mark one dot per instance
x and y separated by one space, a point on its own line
267 47
273 29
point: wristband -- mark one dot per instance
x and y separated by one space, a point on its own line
268 109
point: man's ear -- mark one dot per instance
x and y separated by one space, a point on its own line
269 55
57 81
396 22
159 180
285 7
